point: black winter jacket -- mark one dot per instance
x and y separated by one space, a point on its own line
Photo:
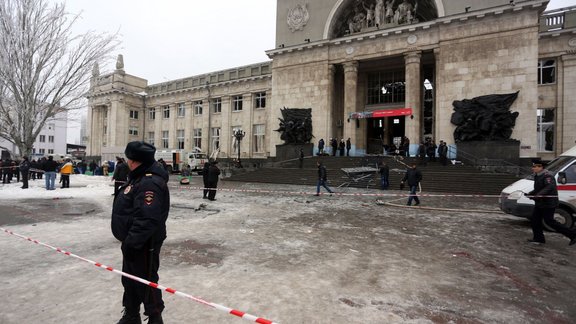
545 193
141 207
412 176
121 172
322 172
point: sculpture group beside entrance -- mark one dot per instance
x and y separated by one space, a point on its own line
296 125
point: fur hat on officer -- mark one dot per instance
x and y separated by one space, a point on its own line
140 151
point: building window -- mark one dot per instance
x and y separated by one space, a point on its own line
50 151
151 137
260 100
259 132
180 138
217 105
165 139
50 138
215 138
152 113
133 114
181 109
133 131
198 138
386 87
545 130
166 112
237 103
42 151
546 71
42 139
198 107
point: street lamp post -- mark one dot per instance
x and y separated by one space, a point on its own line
239 135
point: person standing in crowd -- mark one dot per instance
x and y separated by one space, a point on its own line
81 166
33 169
321 147
342 147
120 175
405 146
25 168
334 144
205 172
93 167
301 159
139 217
413 177
431 150
322 179
545 196
213 176
348 146
422 153
384 174
105 168
7 174
40 173
443 153
50 169
65 171
16 170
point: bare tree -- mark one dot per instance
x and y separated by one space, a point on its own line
44 69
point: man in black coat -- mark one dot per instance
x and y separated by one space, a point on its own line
545 196
120 175
413 177
24 168
384 174
139 221
205 172
213 175
322 179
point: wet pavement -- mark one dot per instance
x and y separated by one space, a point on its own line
288 256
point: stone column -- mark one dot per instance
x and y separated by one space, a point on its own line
331 109
567 117
413 97
350 99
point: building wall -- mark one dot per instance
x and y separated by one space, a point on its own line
489 50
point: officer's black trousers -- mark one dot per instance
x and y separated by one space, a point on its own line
135 293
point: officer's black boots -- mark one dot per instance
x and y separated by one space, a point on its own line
155 319
130 317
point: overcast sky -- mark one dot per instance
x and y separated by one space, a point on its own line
172 39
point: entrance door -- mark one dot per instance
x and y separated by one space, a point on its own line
383 132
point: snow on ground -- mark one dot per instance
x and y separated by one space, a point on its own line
81 186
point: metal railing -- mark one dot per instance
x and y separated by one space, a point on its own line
559 19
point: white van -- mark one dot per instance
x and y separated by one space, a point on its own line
513 201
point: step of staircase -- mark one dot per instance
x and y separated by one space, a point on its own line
456 179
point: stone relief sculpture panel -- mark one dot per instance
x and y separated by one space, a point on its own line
296 125
367 15
484 118
298 17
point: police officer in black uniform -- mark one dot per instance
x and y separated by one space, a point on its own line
139 222
545 196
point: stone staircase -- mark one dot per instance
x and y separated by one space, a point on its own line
457 179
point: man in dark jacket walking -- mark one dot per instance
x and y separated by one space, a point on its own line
24 168
384 174
413 177
545 196
322 178
139 221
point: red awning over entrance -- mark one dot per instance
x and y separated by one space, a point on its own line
392 112
381 113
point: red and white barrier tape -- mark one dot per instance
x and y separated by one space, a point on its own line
231 311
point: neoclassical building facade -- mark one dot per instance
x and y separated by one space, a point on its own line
371 70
